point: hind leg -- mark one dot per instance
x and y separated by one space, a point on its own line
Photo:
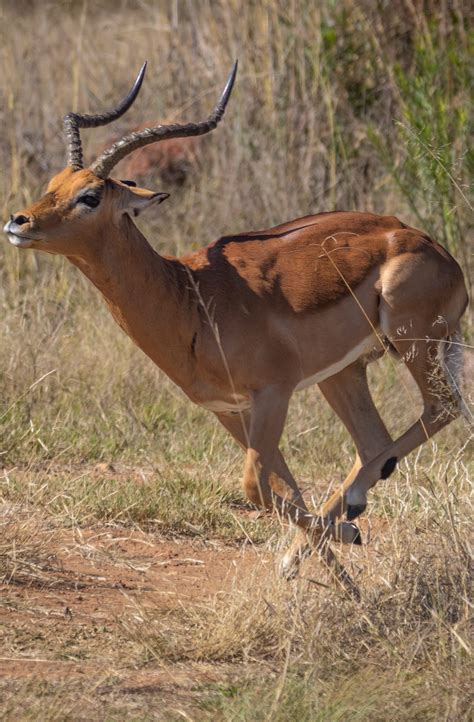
348 394
421 359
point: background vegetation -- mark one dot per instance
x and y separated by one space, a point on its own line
338 104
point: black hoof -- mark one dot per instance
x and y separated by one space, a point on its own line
355 510
357 538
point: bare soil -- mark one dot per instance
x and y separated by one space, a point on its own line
63 620
62 623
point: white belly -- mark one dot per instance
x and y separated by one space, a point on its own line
241 403
366 345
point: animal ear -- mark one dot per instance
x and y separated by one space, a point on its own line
135 200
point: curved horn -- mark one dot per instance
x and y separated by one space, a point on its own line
73 121
110 157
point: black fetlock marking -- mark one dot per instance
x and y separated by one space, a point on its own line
354 510
388 467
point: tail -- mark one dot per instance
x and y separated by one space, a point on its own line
454 362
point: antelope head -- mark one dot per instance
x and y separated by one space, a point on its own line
80 202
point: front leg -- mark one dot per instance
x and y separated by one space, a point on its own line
281 482
268 415
268 482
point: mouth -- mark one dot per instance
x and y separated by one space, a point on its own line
19 240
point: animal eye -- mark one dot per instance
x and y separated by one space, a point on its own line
90 201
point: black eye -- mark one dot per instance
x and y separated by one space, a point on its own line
90 201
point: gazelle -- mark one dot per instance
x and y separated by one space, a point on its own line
244 322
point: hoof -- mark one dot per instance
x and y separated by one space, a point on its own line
357 538
355 510
289 565
346 533
288 569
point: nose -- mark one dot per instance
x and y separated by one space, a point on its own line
19 219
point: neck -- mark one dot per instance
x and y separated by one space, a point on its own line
148 296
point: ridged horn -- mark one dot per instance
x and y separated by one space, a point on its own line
110 157
73 121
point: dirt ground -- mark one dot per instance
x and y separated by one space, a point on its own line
64 638
61 623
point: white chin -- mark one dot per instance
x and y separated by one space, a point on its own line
19 242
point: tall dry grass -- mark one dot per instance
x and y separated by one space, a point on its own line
343 105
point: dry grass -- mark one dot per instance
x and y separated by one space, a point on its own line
348 105
401 652
24 546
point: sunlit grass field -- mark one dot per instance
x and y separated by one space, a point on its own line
349 105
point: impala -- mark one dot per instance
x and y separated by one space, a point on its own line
244 322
